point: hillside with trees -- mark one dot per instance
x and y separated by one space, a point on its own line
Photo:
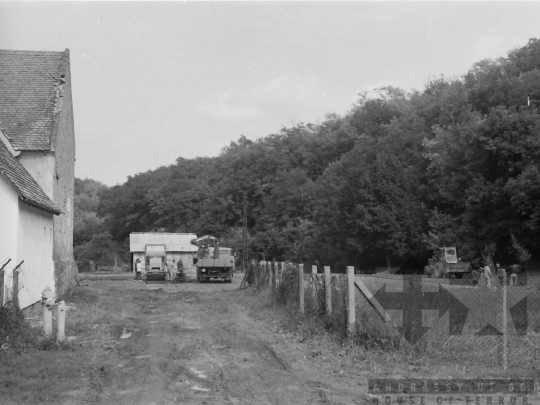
456 163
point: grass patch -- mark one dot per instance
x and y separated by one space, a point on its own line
38 370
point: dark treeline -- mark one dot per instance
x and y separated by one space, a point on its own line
456 164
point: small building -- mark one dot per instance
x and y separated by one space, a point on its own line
177 246
36 117
26 233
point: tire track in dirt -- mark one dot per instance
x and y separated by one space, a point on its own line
251 367
192 350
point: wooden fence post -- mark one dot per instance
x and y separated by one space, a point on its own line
328 289
301 287
257 273
269 266
314 287
275 266
351 309
1 288
15 295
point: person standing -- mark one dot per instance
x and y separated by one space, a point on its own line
138 270
514 269
180 267
475 278
488 276
172 271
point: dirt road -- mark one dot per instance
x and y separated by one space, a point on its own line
197 344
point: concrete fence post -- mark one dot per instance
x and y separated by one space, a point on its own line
351 308
314 287
503 324
48 302
328 289
301 287
61 321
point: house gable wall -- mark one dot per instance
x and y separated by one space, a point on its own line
40 165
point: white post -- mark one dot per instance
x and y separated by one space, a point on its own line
313 287
301 287
61 321
328 289
47 320
47 301
351 308
505 327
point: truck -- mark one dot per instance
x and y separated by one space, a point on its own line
155 257
445 263
213 261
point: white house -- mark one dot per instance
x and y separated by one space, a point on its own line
36 118
26 234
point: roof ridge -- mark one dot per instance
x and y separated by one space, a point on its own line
25 51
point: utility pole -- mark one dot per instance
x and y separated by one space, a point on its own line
244 233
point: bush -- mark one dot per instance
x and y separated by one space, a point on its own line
15 333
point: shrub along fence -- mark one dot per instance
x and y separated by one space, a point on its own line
339 299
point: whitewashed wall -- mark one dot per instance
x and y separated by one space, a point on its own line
35 247
9 221
25 234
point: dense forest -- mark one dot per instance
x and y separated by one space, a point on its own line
401 173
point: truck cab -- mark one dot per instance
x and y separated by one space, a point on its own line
213 261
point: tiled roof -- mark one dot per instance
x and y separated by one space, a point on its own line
28 93
31 193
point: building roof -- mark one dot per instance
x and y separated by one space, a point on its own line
30 83
174 242
30 192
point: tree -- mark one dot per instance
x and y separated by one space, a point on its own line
100 249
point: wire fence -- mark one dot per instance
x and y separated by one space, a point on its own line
490 322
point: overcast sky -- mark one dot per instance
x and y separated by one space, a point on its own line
156 81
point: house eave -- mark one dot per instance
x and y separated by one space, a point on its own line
40 206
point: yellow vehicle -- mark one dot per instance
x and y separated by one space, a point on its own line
445 263
155 256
